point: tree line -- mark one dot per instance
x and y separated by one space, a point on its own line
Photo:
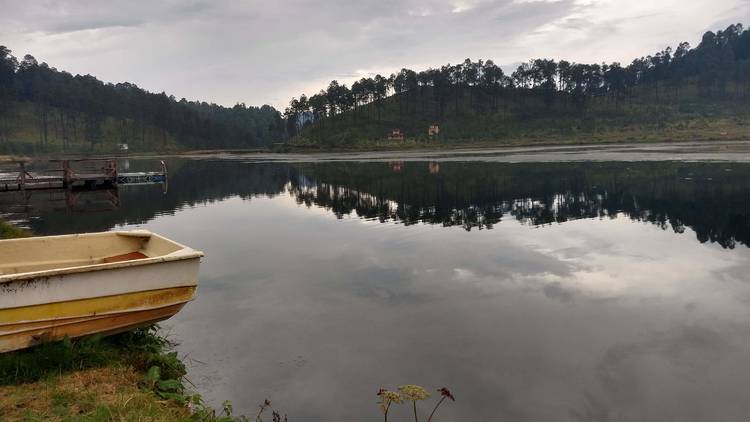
718 66
78 105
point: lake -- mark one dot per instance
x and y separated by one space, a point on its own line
537 290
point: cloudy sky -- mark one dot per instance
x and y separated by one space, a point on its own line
268 51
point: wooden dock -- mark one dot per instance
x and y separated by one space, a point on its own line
80 174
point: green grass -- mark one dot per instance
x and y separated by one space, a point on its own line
134 376
9 231
104 394
140 349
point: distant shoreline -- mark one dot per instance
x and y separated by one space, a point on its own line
718 150
414 146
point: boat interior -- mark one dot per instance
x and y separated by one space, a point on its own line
57 252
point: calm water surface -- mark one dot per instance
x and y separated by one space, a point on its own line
536 292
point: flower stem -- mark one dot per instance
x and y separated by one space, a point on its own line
435 408
416 419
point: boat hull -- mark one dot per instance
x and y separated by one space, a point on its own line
31 335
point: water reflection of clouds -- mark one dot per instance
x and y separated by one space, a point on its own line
394 286
575 321
670 374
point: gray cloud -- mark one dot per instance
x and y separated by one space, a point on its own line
265 52
59 17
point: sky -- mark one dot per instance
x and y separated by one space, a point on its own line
265 52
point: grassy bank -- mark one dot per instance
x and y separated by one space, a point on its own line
134 376
94 379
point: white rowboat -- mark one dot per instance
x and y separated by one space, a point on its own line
75 285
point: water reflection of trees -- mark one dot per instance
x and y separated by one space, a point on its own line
712 199
705 197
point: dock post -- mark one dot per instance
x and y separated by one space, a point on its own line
22 175
110 171
67 176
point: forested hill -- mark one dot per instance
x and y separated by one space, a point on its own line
700 92
45 109
687 92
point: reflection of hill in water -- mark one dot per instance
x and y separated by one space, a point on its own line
712 199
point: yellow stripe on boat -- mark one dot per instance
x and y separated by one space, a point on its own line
106 325
94 306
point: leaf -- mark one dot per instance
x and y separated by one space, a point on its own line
170 385
153 375
178 398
